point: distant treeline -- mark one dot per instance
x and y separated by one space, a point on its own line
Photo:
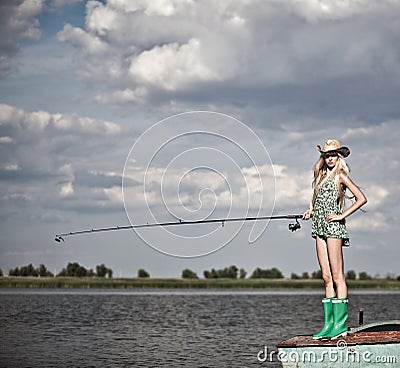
29 270
74 269
274 273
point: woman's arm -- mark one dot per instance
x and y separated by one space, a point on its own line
358 194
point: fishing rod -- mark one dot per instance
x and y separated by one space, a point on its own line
292 226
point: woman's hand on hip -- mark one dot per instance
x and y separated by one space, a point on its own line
332 217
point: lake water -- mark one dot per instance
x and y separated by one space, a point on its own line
184 328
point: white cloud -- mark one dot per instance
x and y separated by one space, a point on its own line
11 167
86 42
123 96
17 197
114 194
18 21
179 45
58 156
67 189
172 66
68 122
100 20
9 114
386 131
376 195
239 190
6 139
357 132
40 120
292 188
26 10
150 7
369 222
182 188
315 10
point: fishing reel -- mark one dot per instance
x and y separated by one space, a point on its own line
295 226
59 238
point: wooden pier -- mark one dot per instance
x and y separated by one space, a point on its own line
372 345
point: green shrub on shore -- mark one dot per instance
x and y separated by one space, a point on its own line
30 270
273 273
142 273
230 272
177 283
189 274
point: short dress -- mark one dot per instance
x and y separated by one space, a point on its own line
326 203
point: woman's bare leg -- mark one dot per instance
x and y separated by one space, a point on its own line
323 259
335 255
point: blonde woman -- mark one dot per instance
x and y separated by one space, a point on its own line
331 180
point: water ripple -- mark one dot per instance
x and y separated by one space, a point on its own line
104 329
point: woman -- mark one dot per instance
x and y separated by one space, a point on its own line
331 180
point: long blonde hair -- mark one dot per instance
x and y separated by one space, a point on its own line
321 174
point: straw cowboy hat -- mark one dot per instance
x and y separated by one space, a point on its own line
334 145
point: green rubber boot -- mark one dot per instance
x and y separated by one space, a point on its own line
340 315
328 318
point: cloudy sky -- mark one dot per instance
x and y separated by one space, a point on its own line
202 109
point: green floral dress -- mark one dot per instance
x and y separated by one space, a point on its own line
326 203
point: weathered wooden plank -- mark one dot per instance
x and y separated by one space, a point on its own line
368 338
